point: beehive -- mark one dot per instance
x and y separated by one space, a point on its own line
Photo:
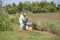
29 23
30 27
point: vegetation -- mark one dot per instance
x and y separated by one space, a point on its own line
47 25
34 7
5 23
24 35
43 29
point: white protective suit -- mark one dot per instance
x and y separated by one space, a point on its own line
21 19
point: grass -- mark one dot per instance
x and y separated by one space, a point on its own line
23 35
52 26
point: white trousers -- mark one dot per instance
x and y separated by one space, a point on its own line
21 25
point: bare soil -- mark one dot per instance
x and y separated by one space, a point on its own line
51 16
46 16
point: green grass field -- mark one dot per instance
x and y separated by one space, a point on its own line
24 35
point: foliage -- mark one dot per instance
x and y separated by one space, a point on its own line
5 24
47 25
11 9
51 26
34 7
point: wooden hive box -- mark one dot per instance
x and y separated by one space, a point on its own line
30 27
29 23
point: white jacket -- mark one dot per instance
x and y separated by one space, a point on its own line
21 19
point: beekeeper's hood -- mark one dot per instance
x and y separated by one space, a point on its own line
24 15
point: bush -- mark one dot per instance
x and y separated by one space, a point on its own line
47 25
5 24
34 25
51 26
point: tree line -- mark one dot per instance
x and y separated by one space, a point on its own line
34 7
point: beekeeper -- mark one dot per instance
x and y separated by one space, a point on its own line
22 20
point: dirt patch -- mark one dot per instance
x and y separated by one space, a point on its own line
51 16
47 16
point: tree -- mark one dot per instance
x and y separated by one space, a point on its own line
35 7
20 6
14 4
26 6
11 9
58 7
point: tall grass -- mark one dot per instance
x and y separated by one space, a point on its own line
52 26
5 24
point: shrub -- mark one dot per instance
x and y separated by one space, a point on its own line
5 24
47 25
51 26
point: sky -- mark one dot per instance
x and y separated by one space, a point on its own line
6 2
